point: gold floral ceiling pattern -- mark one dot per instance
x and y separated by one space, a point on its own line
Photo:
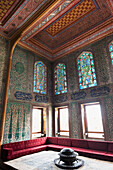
5 5
72 16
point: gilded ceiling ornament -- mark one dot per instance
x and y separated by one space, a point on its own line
36 1
13 25
72 16
27 9
19 17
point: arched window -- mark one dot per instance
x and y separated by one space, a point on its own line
60 79
40 77
86 70
111 51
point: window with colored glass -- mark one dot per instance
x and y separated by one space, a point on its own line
40 77
86 70
60 79
111 51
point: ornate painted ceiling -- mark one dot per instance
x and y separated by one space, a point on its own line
54 28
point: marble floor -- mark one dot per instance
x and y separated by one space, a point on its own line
45 161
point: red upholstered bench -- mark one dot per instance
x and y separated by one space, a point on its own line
17 149
57 143
91 148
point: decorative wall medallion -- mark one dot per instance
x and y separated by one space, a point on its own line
23 96
78 95
61 98
19 67
43 99
100 91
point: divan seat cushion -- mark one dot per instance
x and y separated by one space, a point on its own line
97 145
91 148
110 146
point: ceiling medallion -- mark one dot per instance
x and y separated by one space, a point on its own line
13 24
6 32
36 1
19 17
27 9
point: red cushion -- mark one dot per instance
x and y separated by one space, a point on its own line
64 141
29 150
6 152
79 143
110 146
52 140
15 146
43 140
79 149
39 148
54 146
35 142
97 145
32 143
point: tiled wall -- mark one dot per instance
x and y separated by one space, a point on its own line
17 123
108 105
3 71
20 95
102 92
21 76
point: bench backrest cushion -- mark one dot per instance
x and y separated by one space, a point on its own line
33 142
64 141
52 140
43 140
110 146
79 143
15 146
97 145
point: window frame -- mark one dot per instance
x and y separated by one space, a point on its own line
78 70
44 78
54 78
110 52
44 131
58 122
90 102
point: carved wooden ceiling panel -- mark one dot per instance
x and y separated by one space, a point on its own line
54 28
71 17
5 5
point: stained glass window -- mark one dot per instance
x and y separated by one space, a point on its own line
111 51
86 70
60 79
40 77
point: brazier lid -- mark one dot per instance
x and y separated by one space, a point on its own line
67 151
